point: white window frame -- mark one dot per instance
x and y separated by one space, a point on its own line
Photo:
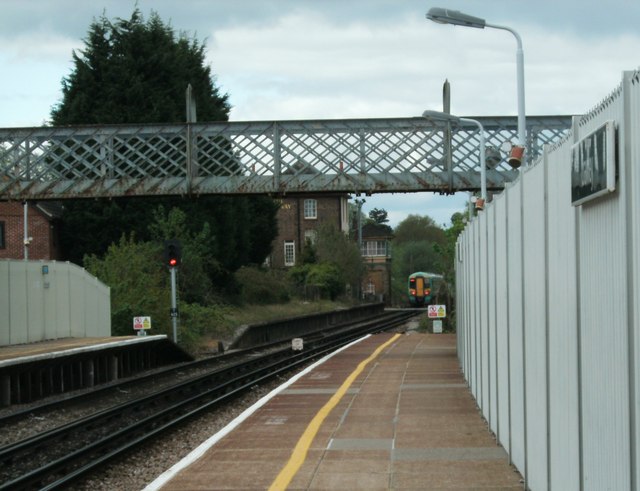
371 287
310 209
289 253
376 248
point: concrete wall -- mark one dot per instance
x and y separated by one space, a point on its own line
281 330
549 318
65 302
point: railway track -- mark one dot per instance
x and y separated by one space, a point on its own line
56 458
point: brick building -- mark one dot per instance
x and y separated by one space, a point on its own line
42 227
299 218
376 255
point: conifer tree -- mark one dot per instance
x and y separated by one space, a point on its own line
136 71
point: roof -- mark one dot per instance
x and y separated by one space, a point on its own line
52 209
376 230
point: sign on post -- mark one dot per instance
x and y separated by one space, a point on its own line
141 324
437 311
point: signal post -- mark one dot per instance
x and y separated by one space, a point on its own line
172 258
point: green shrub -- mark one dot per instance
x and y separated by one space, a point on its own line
198 322
261 286
328 279
139 284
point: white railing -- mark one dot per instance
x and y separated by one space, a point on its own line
548 309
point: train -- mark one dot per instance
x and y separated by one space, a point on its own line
422 288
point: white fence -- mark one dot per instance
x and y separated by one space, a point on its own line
549 314
42 300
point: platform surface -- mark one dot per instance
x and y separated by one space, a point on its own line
406 422
65 345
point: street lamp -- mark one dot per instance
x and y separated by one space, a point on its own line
456 18
359 203
439 116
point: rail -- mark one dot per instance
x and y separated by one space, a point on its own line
58 457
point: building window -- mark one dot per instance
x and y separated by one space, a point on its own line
310 235
2 242
371 287
310 209
289 253
374 248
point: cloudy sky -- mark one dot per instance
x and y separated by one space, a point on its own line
308 59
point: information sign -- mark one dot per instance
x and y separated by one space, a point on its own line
141 323
436 311
593 165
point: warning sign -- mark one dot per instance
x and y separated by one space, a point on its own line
141 323
436 311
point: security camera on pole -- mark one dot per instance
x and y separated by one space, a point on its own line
172 259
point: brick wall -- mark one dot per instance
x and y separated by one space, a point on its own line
40 228
292 225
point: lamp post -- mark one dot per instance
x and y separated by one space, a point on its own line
439 116
359 203
456 18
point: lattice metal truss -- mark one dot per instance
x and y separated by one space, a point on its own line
276 158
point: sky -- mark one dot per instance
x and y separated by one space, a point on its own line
333 59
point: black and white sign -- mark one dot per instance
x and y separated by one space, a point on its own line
593 165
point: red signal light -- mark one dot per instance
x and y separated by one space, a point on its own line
172 253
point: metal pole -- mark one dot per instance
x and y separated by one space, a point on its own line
359 203
446 108
174 309
483 166
25 240
522 127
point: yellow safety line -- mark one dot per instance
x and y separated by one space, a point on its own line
300 451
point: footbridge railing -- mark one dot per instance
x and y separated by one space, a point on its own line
261 157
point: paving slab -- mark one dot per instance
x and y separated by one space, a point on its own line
407 421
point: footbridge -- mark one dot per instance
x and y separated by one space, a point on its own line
263 157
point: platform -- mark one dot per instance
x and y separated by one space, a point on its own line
400 418
34 371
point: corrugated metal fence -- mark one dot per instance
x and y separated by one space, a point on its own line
549 314
42 300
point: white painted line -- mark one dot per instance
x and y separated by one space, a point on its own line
199 451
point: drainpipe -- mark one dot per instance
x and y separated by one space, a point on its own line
26 239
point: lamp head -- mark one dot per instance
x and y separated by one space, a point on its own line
440 116
454 17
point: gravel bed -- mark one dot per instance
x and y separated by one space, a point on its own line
145 463
142 466
35 424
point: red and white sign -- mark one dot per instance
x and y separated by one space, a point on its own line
436 311
141 323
